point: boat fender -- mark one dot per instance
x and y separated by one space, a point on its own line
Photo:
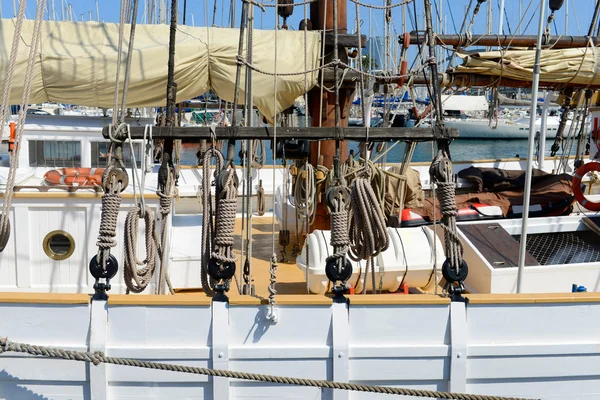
577 192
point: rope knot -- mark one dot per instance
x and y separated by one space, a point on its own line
118 133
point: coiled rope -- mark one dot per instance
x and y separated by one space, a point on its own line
368 234
137 279
305 193
340 239
208 227
225 221
98 358
441 171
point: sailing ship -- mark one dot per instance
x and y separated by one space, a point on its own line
451 310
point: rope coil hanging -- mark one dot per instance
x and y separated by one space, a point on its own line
368 234
137 279
208 228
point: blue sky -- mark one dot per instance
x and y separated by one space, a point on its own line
579 14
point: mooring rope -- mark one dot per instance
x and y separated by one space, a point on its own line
98 358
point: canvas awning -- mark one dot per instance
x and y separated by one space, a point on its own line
78 64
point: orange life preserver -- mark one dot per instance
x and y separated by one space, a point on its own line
13 136
75 176
579 174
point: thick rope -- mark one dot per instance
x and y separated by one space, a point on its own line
340 239
10 71
447 197
98 358
261 200
14 159
111 202
137 279
115 114
368 234
258 156
164 210
305 194
207 215
225 221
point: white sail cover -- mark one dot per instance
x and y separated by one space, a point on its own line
78 64
577 65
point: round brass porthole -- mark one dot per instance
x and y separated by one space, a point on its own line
59 245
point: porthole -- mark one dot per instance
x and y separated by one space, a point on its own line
59 245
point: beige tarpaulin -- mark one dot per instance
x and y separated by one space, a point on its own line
78 64
578 65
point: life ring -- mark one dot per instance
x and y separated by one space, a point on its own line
579 174
75 176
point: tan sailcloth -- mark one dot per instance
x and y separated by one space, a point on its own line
578 65
78 64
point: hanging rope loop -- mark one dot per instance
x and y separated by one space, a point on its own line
454 268
137 279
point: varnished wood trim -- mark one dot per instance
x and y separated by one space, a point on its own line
199 299
535 298
44 298
397 299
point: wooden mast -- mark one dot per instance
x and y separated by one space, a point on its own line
323 20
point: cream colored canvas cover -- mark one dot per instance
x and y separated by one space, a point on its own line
78 64
578 65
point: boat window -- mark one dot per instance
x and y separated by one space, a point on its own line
100 154
59 245
55 153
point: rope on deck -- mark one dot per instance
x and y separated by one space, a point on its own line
99 358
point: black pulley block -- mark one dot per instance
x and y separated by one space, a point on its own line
293 149
112 266
334 274
221 270
222 178
450 273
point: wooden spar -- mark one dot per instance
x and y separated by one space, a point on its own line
556 42
171 85
311 133
321 15
462 80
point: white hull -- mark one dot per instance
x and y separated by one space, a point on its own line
529 346
492 346
505 129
